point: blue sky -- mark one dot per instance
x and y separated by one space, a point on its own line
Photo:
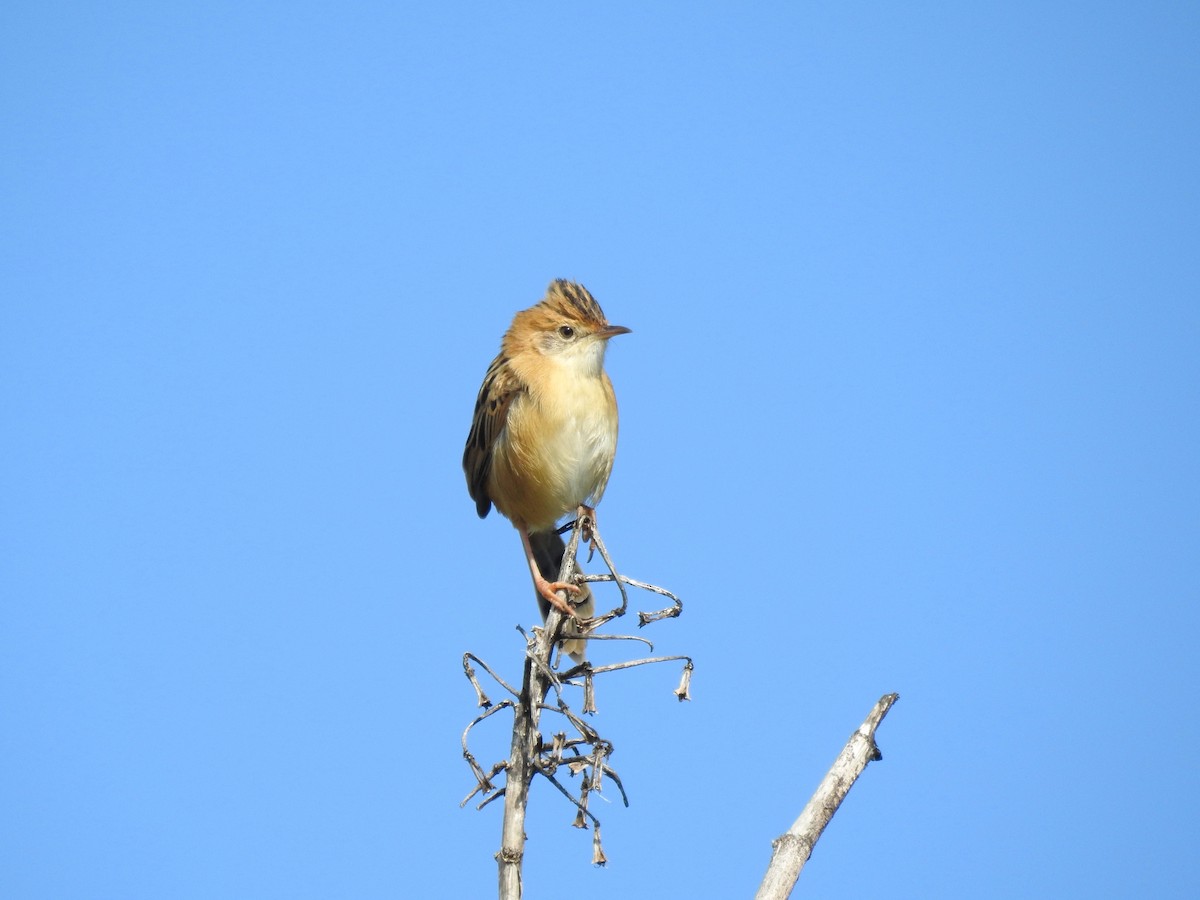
911 404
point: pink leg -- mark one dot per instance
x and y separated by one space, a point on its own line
547 589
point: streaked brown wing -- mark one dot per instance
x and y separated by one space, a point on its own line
500 386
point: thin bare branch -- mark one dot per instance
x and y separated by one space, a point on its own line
549 776
504 704
619 637
617 781
471 675
485 784
599 545
644 618
633 663
601 577
496 796
793 848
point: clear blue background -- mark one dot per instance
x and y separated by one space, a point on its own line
911 404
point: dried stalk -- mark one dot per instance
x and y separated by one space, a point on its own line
792 849
530 755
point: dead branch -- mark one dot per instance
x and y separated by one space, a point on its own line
792 849
542 691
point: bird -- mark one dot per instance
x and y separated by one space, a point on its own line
544 432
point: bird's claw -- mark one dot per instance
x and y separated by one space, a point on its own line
550 589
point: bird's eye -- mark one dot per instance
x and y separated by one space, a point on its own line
566 331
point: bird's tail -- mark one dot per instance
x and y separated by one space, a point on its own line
548 548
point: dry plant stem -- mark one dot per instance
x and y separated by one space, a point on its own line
542 688
579 806
644 618
792 849
522 764
599 545
486 786
481 696
482 782
633 663
620 637
632 582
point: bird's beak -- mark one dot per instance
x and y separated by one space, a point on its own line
612 331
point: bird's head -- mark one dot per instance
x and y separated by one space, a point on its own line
567 326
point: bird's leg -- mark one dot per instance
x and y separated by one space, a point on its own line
587 530
585 518
548 589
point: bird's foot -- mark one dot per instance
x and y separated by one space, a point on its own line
586 516
550 589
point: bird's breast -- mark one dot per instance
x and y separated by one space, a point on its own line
556 451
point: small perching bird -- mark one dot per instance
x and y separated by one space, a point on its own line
544 433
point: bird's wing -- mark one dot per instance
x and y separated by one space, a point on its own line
500 387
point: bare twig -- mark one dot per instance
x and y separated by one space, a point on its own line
633 663
792 849
644 618
581 807
483 699
496 796
599 545
485 783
